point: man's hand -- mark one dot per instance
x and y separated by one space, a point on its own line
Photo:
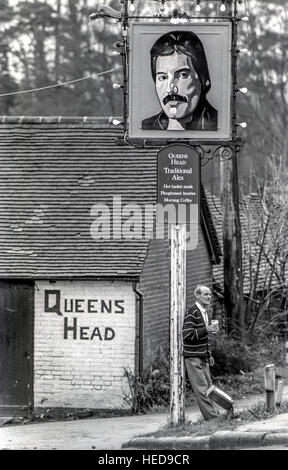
212 329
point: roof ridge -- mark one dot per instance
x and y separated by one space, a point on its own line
55 119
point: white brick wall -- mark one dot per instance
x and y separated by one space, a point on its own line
83 372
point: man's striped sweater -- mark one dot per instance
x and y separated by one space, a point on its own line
195 336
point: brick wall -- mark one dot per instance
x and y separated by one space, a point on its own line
155 287
199 268
83 366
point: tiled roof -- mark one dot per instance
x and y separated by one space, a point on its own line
52 172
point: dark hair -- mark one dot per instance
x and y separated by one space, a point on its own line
183 42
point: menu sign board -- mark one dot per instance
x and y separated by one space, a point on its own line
179 176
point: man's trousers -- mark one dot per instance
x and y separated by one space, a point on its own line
200 379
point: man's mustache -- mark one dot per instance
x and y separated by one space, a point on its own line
174 97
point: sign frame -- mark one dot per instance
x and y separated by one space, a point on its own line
187 153
143 102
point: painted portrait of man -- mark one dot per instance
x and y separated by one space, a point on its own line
180 72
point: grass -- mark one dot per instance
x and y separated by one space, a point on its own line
238 370
203 428
241 385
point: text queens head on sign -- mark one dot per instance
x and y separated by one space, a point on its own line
180 81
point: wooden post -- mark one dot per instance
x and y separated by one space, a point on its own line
269 381
178 305
279 393
232 256
232 244
286 352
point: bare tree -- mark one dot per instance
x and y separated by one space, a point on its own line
265 254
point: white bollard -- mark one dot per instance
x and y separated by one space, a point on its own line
279 393
269 380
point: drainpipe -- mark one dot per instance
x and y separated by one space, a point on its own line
139 295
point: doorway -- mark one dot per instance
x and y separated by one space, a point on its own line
16 348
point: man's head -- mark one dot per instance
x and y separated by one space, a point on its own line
180 72
203 295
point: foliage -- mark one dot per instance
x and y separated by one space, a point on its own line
264 234
260 411
230 355
238 371
264 71
152 388
234 357
268 349
238 368
55 41
240 385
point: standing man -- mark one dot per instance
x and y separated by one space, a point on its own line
180 72
196 330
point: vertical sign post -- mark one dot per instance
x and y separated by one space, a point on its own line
178 186
231 226
177 309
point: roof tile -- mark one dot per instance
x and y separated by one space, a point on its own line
52 174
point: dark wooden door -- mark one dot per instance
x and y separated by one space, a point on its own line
16 347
